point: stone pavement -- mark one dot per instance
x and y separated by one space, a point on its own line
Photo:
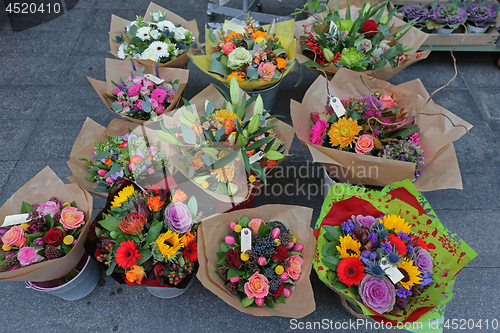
45 98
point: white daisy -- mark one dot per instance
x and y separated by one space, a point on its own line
166 25
154 34
159 48
143 33
121 51
180 34
149 54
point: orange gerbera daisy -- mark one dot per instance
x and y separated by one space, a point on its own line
127 254
155 203
281 63
232 35
237 75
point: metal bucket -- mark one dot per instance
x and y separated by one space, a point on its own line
169 292
80 286
268 95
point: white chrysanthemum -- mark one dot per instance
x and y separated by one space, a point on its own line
165 25
121 51
160 49
154 34
180 34
149 54
143 33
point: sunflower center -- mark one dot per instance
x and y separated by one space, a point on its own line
351 271
351 252
166 242
406 275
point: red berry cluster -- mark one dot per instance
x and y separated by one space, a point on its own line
336 57
180 272
314 46
419 55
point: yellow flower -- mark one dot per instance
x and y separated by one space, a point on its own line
123 195
6 247
349 247
397 223
279 269
410 273
251 179
205 185
24 226
66 204
226 173
222 115
244 256
238 228
294 239
344 132
277 241
68 240
169 243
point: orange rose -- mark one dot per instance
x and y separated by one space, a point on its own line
255 224
197 162
135 274
179 196
14 237
71 218
155 203
188 237
387 101
364 144
281 63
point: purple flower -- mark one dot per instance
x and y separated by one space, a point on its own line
13 268
368 256
48 208
9 255
423 260
483 13
386 247
373 237
403 292
348 227
365 221
377 293
426 279
405 150
403 236
449 14
372 102
39 242
3 230
409 248
416 11
118 174
179 217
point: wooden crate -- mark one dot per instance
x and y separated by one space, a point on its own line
488 38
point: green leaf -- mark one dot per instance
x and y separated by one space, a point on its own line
26 208
222 261
281 299
193 206
274 155
262 230
252 73
101 155
244 221
229 158
339 285
50 221
91 176
217 67
331 262
259 171
116 107
332 233
234 272
259 143
270 303
234 90
153 233
188 134
221 254
145 255
111 223
384 29
329 249
223 247
247 301
111 268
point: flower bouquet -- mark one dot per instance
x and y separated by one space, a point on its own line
44 227
138 95
258 56
147 237
159 37
402 156
361 38
482 14
229 148
258 260
102 155
387 253
447 15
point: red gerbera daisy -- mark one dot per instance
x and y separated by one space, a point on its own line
127 254
350 271
422 244
191 251
399 243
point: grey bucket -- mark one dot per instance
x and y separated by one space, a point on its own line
167 292
79 287
268 95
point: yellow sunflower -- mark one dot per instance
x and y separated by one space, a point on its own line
349 247
226 173
397 223
344 132
123 195
222 115
410 273
169 243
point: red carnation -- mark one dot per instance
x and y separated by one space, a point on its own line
370 28
277 292
191 251
233 258
280 255
54 237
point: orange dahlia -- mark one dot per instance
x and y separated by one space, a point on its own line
132 223
344 132
350 271
127 254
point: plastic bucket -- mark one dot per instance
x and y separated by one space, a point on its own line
476 30
268 95
444 30
79 287
169 292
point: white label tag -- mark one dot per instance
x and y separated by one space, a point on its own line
15 219
154 78
246 239
337 106
394 274
256 157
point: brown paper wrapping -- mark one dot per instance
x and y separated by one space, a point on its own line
437 134
115 69
118 25
39 190
212 232
413 38
92 132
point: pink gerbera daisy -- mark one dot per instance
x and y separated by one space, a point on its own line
134 90
159 95
318 132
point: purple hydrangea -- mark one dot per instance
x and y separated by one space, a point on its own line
449 14
416 11
405 150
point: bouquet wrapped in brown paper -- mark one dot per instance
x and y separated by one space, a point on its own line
357 35
437 127
226 148
101 155
140 94
264 293
46 241
159 37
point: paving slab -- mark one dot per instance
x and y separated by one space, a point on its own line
30 69
92 43
39 42
24 101
76 70
487 100
16 133
482 147
460 102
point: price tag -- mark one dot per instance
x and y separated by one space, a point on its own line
256 157
154 78
15 219
246 239
336 105
394 274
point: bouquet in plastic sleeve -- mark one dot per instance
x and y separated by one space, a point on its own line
43 230
160 37
375 133
258 260
258 56
140 94
361 37
387 253
102 155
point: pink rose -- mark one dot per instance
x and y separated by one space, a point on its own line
387 101
364 144
138 104
71 218
295 266
266 70
48 208
255 224
228 47
14 237
28 255
257 286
